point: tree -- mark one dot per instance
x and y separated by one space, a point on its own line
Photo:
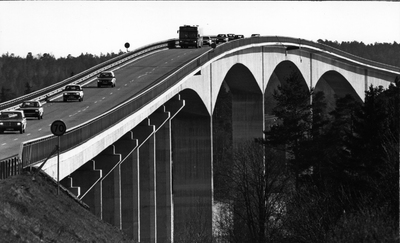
258 186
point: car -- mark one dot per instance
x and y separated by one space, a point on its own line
231 37
32 108
12 120
255 35
73 92
222 38
106 78
207 41
239 37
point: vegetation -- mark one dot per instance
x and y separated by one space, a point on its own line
318 176
380 52
19 76
32 210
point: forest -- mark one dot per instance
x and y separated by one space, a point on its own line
19 76
319 175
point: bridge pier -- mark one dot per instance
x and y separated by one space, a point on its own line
192 176
129 184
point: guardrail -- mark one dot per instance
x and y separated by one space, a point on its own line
36 150
10 166
56 88
13 165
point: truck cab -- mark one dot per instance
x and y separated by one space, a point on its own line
190 36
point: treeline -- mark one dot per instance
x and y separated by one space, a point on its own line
19 76
318 176
388 53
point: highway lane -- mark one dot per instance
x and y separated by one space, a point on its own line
131 79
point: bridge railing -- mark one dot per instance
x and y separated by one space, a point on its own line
56 88
37 150
13 165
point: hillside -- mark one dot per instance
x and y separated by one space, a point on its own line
31 211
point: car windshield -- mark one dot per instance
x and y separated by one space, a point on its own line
106 75
221 35
74 88
30 104
206 37
10 115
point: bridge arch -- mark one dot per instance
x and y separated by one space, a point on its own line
191 168
246 101
281 73
332 83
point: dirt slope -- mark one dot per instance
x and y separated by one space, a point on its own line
31 211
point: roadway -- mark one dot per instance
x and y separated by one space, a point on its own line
131 79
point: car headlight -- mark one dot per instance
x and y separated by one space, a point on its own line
65 93
1 123
36 111
18 123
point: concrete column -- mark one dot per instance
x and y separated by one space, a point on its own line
109 207
147 181
163 174
130 195
247 116
86 177
192 182
68 183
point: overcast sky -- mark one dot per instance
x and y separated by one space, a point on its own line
62 27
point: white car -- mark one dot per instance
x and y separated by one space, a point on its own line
207 41
73 92
32 108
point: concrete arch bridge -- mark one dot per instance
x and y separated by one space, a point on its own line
150 171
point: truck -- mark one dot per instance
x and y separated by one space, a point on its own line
190 36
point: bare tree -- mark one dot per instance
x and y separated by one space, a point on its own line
258 187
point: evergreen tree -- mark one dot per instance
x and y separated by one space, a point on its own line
294 116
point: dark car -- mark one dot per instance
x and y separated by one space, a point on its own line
13 120
231 37
32 108
222 38
239 37
255 35
106 78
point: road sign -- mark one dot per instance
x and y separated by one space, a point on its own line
58 128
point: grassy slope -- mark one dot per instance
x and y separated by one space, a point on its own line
31 211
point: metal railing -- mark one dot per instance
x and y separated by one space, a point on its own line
36 150
13 165
10 166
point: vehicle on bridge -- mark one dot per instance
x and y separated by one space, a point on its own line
13 120
207 41
106 78
32 108
73 92
231 37
239 37
190 36
222 38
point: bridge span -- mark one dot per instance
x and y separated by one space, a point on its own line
141 154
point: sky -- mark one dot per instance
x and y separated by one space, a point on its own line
63 28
